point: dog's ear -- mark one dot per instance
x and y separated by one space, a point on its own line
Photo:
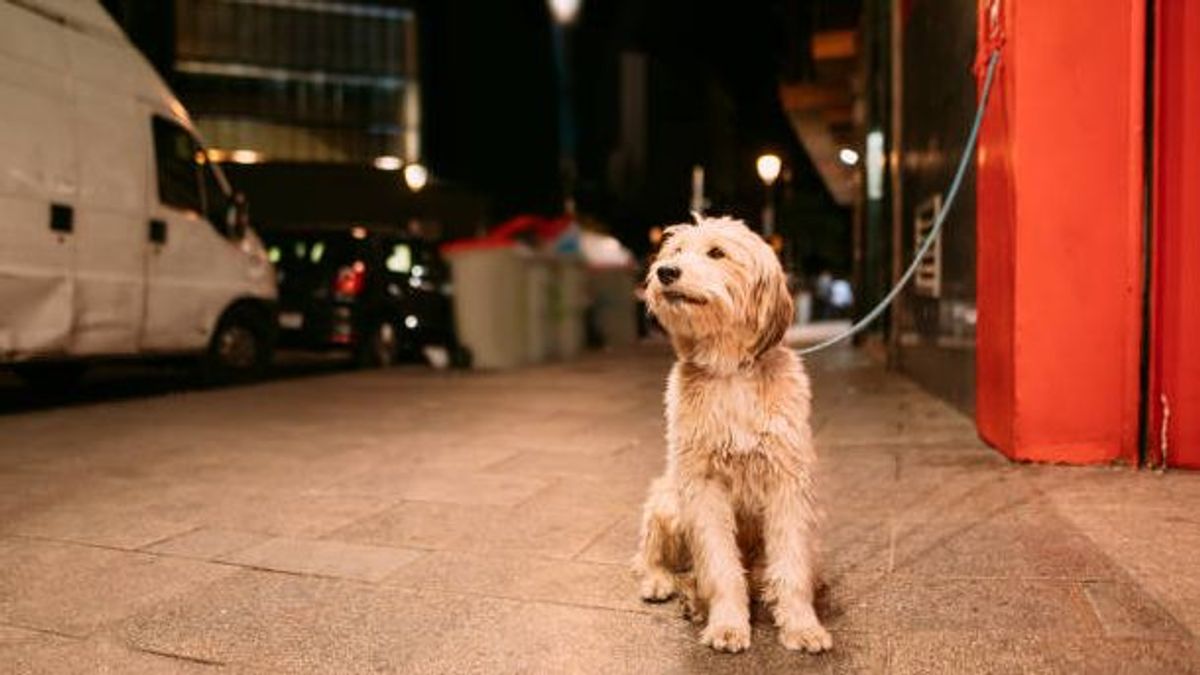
671 230
774 312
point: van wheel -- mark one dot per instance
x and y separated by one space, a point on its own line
51 378
240 349
380 348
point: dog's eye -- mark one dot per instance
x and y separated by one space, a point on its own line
716 253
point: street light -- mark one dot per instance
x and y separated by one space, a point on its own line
387 163
415 176
564 12
769 166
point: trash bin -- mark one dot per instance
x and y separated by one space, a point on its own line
540 280
490 301
569 307
614 307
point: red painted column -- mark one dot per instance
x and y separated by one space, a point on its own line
1059 231
1175 300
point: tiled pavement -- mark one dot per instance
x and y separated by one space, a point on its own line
410 521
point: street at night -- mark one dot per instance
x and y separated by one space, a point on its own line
599 336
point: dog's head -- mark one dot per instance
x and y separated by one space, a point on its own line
717 287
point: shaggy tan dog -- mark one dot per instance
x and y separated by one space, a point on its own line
737 493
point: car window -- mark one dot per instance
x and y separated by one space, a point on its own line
399 258
218 205
187 180
312 251
177 159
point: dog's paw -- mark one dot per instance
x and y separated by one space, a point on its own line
692 609
725 637
812 638
657 587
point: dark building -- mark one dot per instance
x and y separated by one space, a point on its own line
469 88
665 87
312 105
286 80
301 81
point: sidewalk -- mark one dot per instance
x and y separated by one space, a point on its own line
419 522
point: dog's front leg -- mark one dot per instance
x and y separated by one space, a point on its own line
720 578
789 531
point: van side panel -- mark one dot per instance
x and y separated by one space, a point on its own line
37 169
111 223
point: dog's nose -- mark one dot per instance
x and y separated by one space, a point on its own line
667 274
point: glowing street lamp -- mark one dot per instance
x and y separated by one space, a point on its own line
388 163
415 176
564 11
769 166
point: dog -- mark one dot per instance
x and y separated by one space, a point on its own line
737 497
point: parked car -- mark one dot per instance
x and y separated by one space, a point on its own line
117 237
373 291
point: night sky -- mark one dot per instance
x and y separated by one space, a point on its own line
489 96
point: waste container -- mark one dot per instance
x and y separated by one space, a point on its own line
540 279
569 307
490 301
614 307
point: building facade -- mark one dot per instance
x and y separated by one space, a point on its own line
289 80
1059 299
296 80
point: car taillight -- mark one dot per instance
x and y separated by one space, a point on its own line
350 280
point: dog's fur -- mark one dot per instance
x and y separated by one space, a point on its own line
737 493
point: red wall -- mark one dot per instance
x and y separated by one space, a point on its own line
1175 324
1059 232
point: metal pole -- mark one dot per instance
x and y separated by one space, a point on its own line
566 122
768 217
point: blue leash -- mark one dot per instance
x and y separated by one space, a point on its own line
939 220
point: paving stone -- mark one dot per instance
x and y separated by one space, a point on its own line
56 655
104 523
304 515
556 464
1018 606
73 589
553 532
617 494
207 544
13 634
324 558
1125 611
527 577
1180 595
453 487
942 652
1023 543
307 625
616 545
861 546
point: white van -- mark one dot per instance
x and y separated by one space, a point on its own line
117 237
